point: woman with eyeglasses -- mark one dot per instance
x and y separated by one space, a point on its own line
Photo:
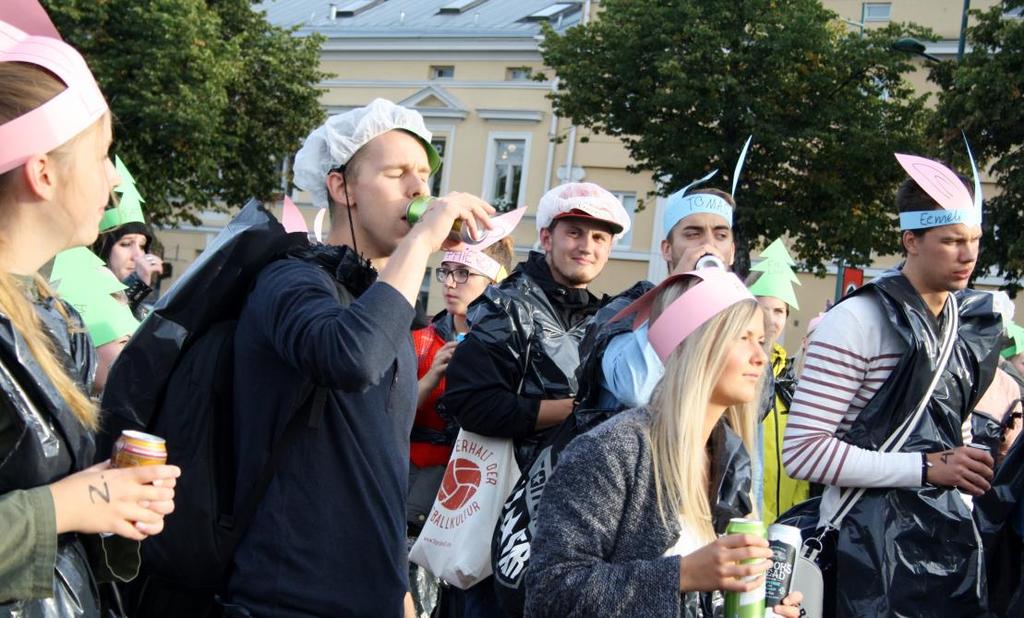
463 275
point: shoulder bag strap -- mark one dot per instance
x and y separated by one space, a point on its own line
895 442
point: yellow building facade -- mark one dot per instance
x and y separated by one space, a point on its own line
467 67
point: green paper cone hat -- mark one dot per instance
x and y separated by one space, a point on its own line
84 281
1016 335
129 206
777 276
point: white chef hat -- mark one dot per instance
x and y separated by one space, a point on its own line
332 144
582 200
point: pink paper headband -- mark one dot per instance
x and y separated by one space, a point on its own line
479 262
62 117
718 290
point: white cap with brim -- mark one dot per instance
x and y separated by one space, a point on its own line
582 200
332 144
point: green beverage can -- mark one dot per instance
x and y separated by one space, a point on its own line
745 604
414 212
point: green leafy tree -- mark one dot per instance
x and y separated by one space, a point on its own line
982 95
208 98
684 83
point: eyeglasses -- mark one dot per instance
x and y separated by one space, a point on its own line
458 275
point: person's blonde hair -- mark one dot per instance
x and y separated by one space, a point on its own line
26 87
680 460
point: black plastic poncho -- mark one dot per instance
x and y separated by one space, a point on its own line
917 552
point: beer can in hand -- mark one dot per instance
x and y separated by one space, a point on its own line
460 233
785 542
745 604
135 448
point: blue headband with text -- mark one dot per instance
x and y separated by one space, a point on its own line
680 205
943 186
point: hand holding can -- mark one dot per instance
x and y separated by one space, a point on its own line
785 542
417 208
135 448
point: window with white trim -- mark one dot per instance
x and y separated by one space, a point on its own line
442 71
506 169
628 199
438 142
876 11
518 74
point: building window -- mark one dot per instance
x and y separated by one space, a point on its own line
446 71
455 7
435 180
353 7
876 11
506 173
628 199
554 11
518 74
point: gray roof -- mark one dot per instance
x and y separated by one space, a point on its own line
418 18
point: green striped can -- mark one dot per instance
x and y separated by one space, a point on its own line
745 604
414 211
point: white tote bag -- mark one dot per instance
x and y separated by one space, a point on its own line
455 543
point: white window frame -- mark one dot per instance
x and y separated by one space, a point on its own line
492 151
866 6
448 132
626 242
510 72
433 70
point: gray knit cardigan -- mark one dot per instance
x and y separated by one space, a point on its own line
599 545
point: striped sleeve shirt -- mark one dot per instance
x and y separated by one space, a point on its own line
849 357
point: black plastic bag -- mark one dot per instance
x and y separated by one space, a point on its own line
212 290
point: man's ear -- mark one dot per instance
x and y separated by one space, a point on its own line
336 182
910 242
545 239
666 253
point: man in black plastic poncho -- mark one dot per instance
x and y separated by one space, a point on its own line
881 415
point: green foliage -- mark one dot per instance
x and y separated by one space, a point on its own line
683 83
982 95
207 96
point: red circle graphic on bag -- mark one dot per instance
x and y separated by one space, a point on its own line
461 480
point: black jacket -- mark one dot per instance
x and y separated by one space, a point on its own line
41 441
328 538
523 348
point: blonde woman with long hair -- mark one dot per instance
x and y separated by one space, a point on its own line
627 524
55 179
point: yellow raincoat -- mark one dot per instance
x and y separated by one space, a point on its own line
780 491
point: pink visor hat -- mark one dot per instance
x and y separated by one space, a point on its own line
718 290
62 117
473 256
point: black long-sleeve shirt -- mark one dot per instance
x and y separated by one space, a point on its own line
329 536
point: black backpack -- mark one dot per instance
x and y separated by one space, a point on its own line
175 379
510 544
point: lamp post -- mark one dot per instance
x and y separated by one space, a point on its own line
963 31
915 47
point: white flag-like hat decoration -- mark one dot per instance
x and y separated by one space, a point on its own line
945 187
681 205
